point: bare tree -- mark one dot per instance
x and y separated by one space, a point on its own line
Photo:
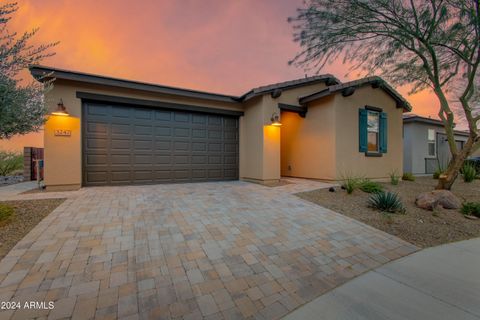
22 107
429 44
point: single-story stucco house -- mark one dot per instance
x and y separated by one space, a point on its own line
129 132
425 146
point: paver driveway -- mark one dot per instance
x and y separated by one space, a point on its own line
212 250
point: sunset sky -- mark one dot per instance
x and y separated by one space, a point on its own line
212 45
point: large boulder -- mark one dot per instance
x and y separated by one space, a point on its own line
432 199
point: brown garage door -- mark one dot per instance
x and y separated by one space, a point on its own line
125 144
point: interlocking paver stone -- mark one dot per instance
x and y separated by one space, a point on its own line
214 250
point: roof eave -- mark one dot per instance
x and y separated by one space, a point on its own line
401 102
42 73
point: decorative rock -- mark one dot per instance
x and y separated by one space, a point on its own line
331 189
444 198
6 180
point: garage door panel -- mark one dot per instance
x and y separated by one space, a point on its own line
181 132
199 174
96 159
230 147
231 135
163 131
181 146
97 177
142 144
199 146
230 173
143 114
134 145
162 159
98 110
199 119
181 174
120 144
215 159
163 115
214 121
143 130
142 175
230 123
116 159
97 143
97 128
181 117
120 175
215 147
163 145
199 133
199 159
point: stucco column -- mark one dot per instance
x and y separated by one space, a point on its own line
271 142
63 143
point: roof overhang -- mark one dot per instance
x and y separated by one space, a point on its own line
42 73
348 89
276 89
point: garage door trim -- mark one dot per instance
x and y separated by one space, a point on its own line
94 97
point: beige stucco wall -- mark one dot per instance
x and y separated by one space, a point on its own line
349 160
63 155
308 144
251 141
325 144
260 151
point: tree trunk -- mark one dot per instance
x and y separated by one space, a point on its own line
446 180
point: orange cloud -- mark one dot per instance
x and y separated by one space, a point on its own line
212 45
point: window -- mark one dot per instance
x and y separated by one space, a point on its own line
373 131
432 143
373 121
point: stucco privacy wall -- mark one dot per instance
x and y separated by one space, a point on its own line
63 155
349 160
308 144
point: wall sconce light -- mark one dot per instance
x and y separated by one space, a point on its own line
275 119
61 109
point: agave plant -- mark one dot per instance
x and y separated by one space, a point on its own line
386 202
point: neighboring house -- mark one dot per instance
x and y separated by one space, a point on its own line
425 146
130 132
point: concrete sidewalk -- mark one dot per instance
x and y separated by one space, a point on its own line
435 283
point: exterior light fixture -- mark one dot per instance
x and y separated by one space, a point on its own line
275 120
61 110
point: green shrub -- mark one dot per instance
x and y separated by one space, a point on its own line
408 176
469 172
9 162
437 173
6 212
394 178
475 163
351 183
471 209
370 186
386 202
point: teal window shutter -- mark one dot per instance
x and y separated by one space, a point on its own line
362 127
383 132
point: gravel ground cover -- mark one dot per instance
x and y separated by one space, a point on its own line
419 227
28 213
